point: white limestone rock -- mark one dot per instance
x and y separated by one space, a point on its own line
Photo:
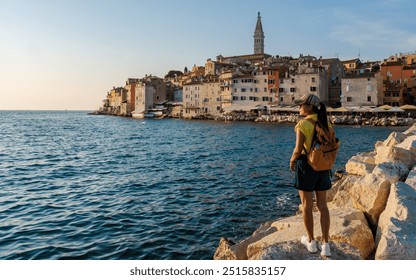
394 139
293 250
396 234
411 131
392 171
361 164
369 194
223 251
347 225
411 178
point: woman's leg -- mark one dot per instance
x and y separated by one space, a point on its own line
323 209
307 205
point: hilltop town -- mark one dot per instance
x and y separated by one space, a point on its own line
260 83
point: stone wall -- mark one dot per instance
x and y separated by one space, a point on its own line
372 208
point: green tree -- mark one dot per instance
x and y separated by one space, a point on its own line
173 74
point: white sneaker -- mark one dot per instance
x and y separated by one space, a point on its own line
326 250
311 246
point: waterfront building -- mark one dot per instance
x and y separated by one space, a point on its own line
310 77
211 96
226 88
128 99
192 93
397 81
178 95
114 100
335 71
362 89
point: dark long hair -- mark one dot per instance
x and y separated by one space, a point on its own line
322 116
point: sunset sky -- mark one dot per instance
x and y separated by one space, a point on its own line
57 55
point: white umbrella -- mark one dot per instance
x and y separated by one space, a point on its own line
378 110
395 110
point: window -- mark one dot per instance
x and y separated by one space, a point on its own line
313 88
250 98
293 80
235 90
235 98
368 98
235 81
292 89
265 89
243 98
281 99
387 94
349 99
271 82
281 90
265 80
347 88
265 98
396 94
313 80
255 90
243 90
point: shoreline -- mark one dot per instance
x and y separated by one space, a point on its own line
354 119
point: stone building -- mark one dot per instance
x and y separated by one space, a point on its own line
310 78
364 89
192 93
335 71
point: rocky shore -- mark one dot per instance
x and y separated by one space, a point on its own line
372 208
353 119
385 120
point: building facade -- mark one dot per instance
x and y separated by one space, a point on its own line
362 90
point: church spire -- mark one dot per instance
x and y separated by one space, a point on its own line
258 37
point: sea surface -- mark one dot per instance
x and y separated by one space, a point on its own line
78 186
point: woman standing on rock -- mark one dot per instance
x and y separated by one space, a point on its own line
308 180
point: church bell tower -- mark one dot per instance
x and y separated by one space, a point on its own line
258 37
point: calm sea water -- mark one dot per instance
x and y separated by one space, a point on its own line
75 186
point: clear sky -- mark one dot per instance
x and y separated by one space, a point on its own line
58 55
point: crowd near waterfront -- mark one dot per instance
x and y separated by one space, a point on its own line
76 186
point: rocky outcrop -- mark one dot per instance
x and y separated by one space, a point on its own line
372 210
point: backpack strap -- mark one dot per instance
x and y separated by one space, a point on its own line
313 137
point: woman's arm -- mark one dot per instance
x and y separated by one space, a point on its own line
297 151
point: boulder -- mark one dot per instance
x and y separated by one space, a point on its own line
411 178
404 152
223 251
347 225
396 234
369 194
339 197
294 250
392 171
361 164
411 131
394 139
239 250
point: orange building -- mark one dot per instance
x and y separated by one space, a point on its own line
397 82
